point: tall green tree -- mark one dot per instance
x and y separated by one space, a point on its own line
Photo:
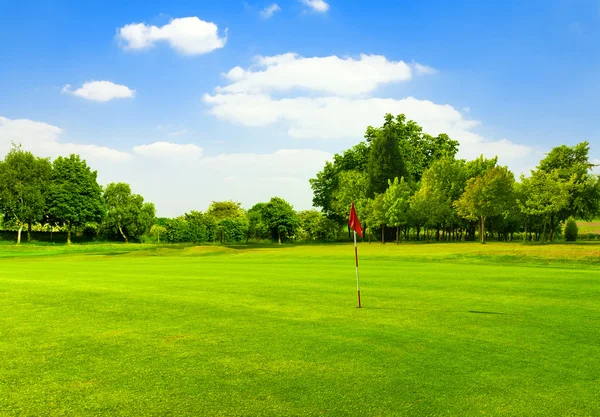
280 219
486 196
74 196
231 220
397 204
573 166
23 183
127 213
546 195
385 160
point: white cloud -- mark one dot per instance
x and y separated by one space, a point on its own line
177 177
42 139
187 35
320 6
341 117
269 11
168 150
331 74
423 69
100 91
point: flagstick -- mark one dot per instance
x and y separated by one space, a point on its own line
357 280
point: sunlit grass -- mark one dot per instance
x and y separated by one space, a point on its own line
447 329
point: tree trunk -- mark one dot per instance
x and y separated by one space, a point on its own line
382 234
544 233
69 233
397 233
552 228
123 234
482 229
279 237
19 234
525 234
29 232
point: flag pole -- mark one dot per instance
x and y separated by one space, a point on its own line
357 280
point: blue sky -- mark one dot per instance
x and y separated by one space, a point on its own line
513 78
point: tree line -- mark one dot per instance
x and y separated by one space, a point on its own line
64 195
407 184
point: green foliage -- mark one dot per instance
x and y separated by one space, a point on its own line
313 225
486 196
74 196
230 219
385 160
23 184
127 214
571 230
544 195
257 229
280 219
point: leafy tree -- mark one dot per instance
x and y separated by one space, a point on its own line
546 195
157 230
486 196
127 213
397 204
571 230
231 220
315 226
74 196
573 166
257 229
23 180
376 215
385 160
280 219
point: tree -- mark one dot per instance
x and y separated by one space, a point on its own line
23 181
385 160
376 215
156 230
397 204
280 219
315 226
127 213
74 196
257 229
486 196
546 195
231 220
571 230
573 166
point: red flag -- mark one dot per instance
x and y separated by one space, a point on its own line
353 221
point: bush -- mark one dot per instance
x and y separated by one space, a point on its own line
571 230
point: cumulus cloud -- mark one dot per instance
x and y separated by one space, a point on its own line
187 35
342 117
177 177
339 104
269 11
43 139
320 6
101 91
330 74
168 150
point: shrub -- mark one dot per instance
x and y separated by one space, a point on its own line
571 230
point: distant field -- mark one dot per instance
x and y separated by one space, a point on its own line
589 227
456 329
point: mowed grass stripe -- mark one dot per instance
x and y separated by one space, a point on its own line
272 332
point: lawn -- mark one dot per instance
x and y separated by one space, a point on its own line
447 329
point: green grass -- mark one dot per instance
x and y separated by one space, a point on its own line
447 329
